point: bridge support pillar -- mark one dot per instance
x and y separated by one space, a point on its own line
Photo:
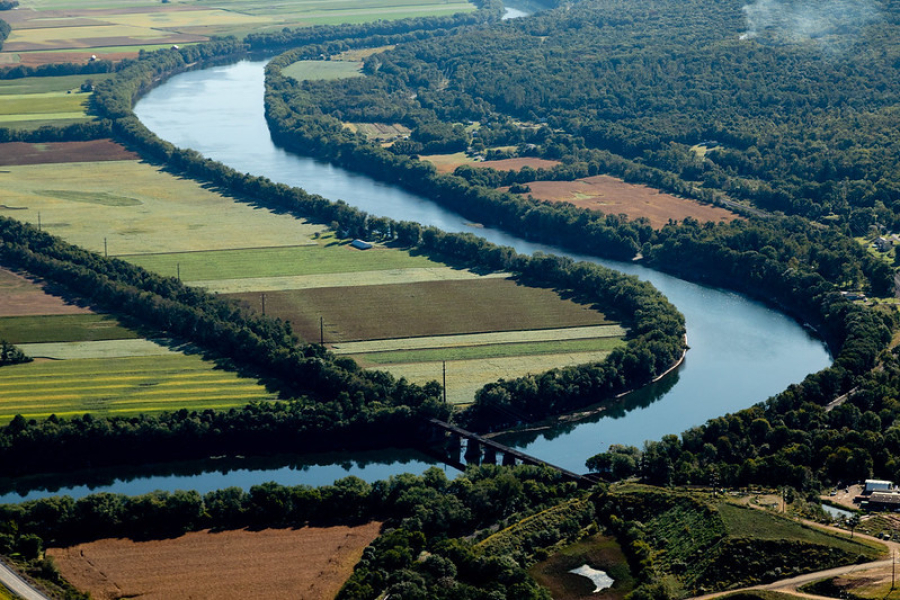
490 456
509 460
473 452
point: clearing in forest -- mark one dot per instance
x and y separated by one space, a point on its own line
447 163
310 563
614 196
309 70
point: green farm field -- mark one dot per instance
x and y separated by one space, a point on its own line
43 108
321 256
323 69
138 208
46 85
121 386
377 312
63 328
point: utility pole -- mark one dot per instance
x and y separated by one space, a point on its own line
263 298
39 221
105 249
178 270
444 366
321 331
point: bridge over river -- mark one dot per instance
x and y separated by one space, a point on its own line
480 450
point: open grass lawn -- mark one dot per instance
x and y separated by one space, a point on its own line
323 69
598 552
377 312
121 386
138 208
45 107
325 257
63 328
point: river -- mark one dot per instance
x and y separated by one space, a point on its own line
741 352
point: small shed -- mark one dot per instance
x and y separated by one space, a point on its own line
877 485
361 245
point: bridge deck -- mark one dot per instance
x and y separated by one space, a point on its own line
525 458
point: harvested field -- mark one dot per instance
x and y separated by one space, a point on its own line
614 196
38 85
308 563
45 108
374 277
67 38
120 386
21 153
115 54
447 163
380 132
465 377
377 312
20 296
138 208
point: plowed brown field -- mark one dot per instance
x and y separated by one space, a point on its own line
22 297
21 153
288 564
614 196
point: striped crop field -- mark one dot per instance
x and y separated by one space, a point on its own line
121 386
380 312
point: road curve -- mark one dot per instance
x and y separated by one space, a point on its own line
19 586
791 585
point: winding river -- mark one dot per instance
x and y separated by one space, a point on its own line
741 351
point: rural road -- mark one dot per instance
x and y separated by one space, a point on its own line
19 586
791 585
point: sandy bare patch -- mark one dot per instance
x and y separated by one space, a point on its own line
276 564
20 297
21 153
614 196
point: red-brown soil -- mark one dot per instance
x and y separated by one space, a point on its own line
21 153
276 564
21 297
614 196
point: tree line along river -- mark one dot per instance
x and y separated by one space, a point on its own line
741 351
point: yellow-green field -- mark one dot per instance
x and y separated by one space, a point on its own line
121 386
465 377
138 208
46 108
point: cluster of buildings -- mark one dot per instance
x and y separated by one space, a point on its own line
878 494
